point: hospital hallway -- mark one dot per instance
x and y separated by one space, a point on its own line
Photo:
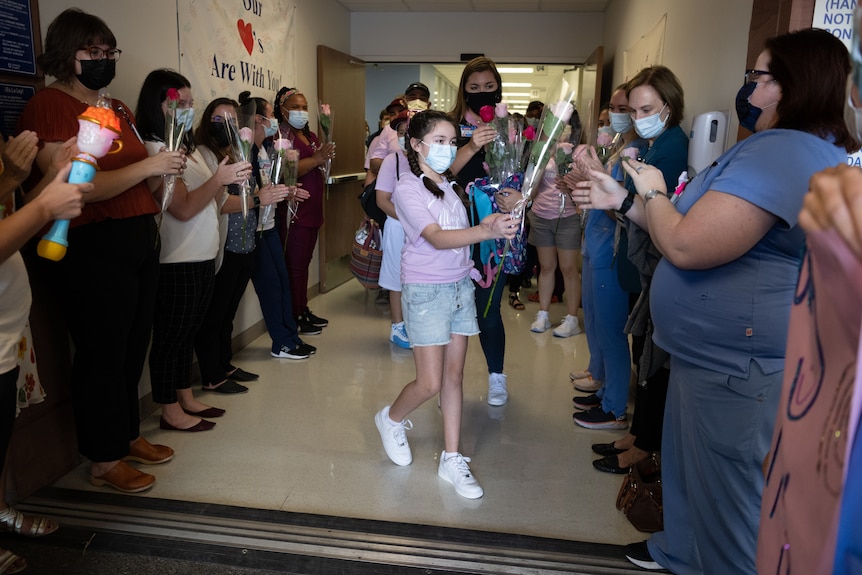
294 479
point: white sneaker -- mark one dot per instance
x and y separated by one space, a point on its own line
568 327
394 438
497 393
542 323
398 335
456 471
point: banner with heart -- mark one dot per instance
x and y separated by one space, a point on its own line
229 46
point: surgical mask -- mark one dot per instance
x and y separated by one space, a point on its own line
476 100
418 105
297 119
606 130
96 74
271 129
186 117
532 122
651 126
402 142
440 156
745 111
621 122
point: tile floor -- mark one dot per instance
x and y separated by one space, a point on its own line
303 438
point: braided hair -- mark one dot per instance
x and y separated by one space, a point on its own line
420 125
282 96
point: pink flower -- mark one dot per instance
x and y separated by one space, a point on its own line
486 113
563 110
324 109
282 144
631 153
604 140
501 110
530 133
246 134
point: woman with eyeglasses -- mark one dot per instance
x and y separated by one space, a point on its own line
189 236
106 284
722 293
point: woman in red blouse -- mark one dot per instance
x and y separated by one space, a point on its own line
106 284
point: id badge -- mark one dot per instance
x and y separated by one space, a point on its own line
467 131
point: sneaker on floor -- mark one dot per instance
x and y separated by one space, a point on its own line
393 436
497 392
314 320
597 418
542 323
588 402
456 471
382 297
305 327
568 327
398 335
587 385
308 348
287 353
638 554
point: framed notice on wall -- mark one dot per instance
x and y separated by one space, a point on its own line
17 48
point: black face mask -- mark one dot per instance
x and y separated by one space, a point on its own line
96 74
219 135
745 111
476 100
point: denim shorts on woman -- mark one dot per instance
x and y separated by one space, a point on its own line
433 312
563 233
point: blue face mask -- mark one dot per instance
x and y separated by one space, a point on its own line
651 126
440 156
621 122
270 130
402 142
745 110
297 119
186 116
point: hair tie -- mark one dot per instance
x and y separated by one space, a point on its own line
287 94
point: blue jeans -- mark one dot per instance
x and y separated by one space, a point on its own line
272 285
717 432
492 335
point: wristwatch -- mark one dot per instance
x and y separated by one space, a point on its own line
650 195
627 203
255 200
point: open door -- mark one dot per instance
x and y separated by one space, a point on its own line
590 95
341 84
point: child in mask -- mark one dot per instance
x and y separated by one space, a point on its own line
438 295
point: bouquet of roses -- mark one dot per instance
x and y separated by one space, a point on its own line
325 120
503 154
280 148
554 119
241 140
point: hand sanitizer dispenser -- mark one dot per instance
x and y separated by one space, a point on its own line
706 140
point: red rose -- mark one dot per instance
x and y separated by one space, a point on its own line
486 113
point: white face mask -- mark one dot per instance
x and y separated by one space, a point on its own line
621 122
651 126
297 119
418 105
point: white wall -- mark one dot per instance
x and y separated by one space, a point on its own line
706 44
437 37
147 34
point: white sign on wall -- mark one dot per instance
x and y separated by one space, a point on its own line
836 17
229 46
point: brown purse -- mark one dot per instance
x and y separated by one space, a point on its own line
640 495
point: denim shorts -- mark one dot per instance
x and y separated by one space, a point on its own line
433 312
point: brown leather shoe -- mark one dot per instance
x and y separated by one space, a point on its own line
145 452
123 477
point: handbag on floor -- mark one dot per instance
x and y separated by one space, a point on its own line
640 495
366 256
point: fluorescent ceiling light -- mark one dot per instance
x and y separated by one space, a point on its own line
515 70
516 94
517 102
517 84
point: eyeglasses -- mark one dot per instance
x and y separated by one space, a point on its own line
754 76
97 53
217 119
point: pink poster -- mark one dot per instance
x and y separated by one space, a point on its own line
805 467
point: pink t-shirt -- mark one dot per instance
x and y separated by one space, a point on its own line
417 208
387 142
386 178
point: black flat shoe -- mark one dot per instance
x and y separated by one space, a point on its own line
610 464
605 449
239 374
228 386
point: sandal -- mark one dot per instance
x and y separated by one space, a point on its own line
514 301
12 521
11 563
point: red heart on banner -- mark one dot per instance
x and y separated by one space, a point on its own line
246 35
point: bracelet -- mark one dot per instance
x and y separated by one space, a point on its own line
650 195
627 203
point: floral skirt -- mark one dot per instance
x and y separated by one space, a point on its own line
30 389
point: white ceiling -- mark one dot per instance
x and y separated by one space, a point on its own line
475 5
